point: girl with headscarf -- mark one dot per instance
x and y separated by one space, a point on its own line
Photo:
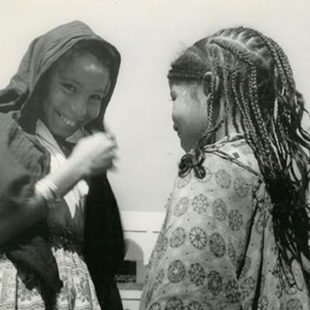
61 239
236 229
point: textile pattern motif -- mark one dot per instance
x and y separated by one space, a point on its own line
78 292
216 249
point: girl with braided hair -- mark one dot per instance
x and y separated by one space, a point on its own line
236 230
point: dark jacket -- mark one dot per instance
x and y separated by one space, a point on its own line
23 161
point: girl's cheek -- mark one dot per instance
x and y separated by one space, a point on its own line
94 112
60 99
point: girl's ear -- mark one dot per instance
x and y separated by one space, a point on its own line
207 83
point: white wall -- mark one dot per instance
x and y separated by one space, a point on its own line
149 35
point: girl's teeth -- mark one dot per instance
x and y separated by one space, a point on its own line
67 121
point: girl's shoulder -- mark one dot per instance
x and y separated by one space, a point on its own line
20 146
8 126
234 153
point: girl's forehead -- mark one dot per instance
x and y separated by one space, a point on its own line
78 60
82 70
81 65
184 87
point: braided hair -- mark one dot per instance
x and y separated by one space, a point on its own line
257 83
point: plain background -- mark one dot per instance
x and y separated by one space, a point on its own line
149 35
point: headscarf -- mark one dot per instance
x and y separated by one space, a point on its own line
42 53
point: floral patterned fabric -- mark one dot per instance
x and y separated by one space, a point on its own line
216 249
77 293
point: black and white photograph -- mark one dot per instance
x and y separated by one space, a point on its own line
154 155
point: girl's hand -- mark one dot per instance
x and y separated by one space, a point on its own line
94 154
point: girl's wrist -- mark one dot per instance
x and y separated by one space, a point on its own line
47 189
78 168
58 183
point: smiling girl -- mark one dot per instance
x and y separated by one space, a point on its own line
60 233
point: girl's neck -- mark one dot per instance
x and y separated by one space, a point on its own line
231 124
227 129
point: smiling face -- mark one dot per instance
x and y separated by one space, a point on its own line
74 93
189 112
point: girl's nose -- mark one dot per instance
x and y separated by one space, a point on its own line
174 115
78 108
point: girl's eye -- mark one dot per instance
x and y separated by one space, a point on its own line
96 97
173 96
71 88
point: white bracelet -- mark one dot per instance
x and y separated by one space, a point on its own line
47 189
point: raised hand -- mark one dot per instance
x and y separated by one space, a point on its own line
94 154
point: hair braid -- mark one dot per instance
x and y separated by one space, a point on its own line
211 100
277 50
275 56
264 137
226 95
242 55
255 140
238 103
290 213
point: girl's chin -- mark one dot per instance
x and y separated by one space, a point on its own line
58 128
63 133
184 147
